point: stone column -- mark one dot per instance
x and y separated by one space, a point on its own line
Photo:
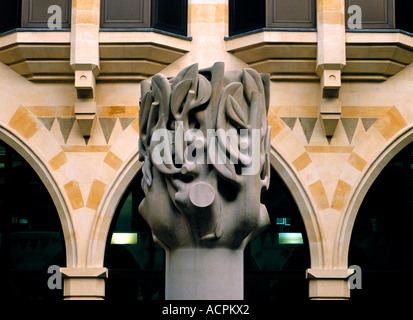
84 59
331 59
205 142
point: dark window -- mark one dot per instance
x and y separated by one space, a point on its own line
32 13
381 241
384 14
10 15
166 15
135 262
378 14
277 258
291 13
31 237
247 15
170 15
404 11
125 13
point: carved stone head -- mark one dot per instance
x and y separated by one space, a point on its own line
204 140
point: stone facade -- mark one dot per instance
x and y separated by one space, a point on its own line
327 149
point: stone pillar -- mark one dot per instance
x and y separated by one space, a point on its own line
205 142
84 59
331 59
204 274
84 283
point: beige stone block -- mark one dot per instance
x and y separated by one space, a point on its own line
87 17
208 13
135 125
276 125
329 167
349 174
288 144
87 149
319 195
335 17
74 194
299 111
113 160
84 283
340 195
52 111
45 143
106 174
329 149
24 123
331 106
331 53
85 84
367 145
356 161
310 174
95 194
57 161
390 123
329 284
329 5
124 147
86 4
302 161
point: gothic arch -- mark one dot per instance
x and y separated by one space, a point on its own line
107 208
305 206
115 190
43 171
370 173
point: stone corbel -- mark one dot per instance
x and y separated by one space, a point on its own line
330 106
84 283
85 61
331 59
329 284
85 106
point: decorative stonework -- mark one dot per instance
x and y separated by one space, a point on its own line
190 204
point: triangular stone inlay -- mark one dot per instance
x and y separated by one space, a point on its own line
350 125
47 122
107 125
125 122
308 125
289 121
66 125
368 122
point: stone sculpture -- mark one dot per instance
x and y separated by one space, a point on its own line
204 140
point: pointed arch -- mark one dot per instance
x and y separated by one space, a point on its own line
21 146
304 204
107 208
130 168
369 175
